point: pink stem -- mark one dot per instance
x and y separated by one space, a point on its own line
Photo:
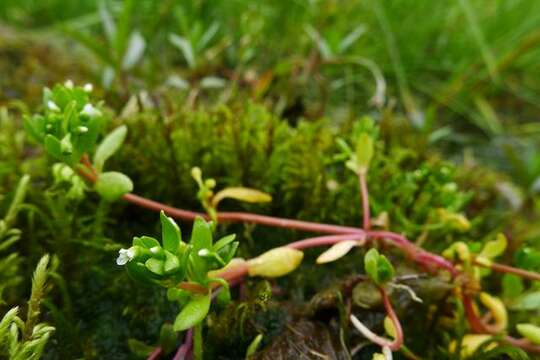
324 241
365 199
379 340
155 354
185 348
242 217
479 327
398 341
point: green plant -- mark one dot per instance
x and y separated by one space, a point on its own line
9 265
124 46
26 339
183 269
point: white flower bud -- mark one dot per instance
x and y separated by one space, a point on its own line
68 84
88 87
125 256
52 106
204 252
90 111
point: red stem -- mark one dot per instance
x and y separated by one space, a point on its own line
365 199
242 217
510 270
185 348
398 341
479 327
155 354
324 241
340 233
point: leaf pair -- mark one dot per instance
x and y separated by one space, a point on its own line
378 267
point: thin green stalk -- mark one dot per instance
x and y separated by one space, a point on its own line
197 342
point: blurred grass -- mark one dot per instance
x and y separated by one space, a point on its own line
469 64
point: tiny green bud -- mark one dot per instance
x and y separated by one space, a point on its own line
204 252
210 183
82 129
90 111
196 174
52 106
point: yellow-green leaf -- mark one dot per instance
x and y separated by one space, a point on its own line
337 251
494 248
530 331
364 151
276 262
241 194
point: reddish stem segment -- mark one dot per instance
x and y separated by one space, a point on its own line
479 327
393 345
398 341
510 270
365 199
324 241
155 354
185 348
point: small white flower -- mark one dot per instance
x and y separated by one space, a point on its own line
204 252
82 129
88 87
154 250
125 256
52 106
90 111
69 84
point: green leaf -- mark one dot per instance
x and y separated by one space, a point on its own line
154 265
193 313
54 148
172 264
139 272
134 51
370 264
185 47
529 301
170 233
364 151
224 296
201 235
139 348
167 338
252 348
241 194
378 267
35 126
113 185
512 286
109 146
530 331
385 270
145 241
224 241
180 295
494 248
